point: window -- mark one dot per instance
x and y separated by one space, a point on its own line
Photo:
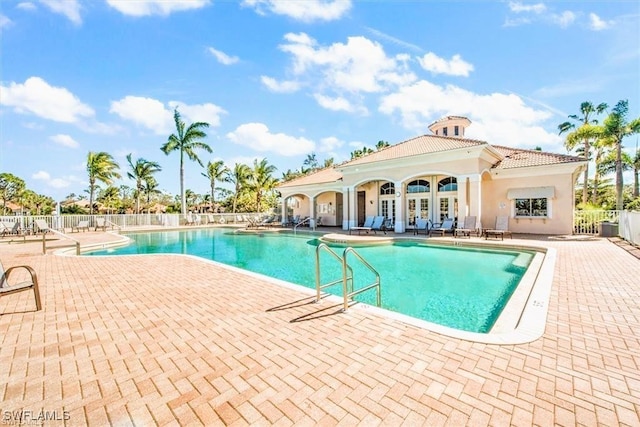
444 131
531 207
418 186
456 130
448 184
387 189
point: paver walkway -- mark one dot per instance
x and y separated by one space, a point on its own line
172 340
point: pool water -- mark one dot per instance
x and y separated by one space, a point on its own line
462 288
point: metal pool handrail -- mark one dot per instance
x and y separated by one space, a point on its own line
76 243
343 279
375 284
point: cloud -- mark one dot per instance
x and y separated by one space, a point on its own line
498 118
329 144
283 86
598 24
36 96
5 22
518 7
64 140
222 57
41 175
54 182
26 5
68 8
394 40
155 7
258 137
564 19
155 116
305 11
455 67
339 104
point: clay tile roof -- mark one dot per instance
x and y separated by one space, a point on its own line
520 158
323 176
420 145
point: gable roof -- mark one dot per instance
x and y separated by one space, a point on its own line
323 176
520 158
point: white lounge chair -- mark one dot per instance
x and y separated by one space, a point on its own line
468 227
81 225
422 224
500 230
368 222
445 227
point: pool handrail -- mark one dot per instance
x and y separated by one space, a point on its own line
342 280
376 284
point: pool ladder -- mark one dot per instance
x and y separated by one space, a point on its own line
347 275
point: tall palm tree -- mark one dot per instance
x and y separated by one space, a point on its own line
616 127
151 187
216 171
239 177
100 167
261 180
635 164
186 141
141 171
108 197
587 109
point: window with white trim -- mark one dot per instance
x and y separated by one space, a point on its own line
531 207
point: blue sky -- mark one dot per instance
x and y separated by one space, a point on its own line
282 79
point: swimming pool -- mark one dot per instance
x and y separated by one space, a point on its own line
460 288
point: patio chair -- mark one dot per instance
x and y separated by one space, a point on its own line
368 222
445 227
7 287
379 224
81 225
468 227
422 224
268 221
501 229
41 226
101 223
188 219
10 228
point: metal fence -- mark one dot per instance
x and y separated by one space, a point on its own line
588 222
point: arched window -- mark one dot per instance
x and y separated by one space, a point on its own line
448 184
387 188
418 186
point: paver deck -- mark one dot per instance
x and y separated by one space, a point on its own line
172 340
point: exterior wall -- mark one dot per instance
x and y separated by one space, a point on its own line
326 201
495 203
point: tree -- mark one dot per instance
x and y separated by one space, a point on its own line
587 109
635 164
239 177
616 127
216 171
359 153
328 162
381 144
311 161
10 188
186 141
261 180
109 198
150 187
141 171
100 167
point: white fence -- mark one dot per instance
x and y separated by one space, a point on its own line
629 226
588 222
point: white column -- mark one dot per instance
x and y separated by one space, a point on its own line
283 212
475 197
349 218
463 198
312 212
399 226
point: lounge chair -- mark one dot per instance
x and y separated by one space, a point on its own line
81 225
422 224
501 229
445 227
368 222
379 224
468 227
41 226
268 221
7 288
188 219
10 228
101 223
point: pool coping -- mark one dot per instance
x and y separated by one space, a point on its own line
522 320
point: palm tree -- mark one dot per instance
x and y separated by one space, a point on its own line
239 177
141 171
616 127
587 110
216 171
328 162
381 144
108 197
186 141
635 164
100 167
150 187
262 180
311 161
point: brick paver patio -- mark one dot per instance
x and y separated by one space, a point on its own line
172 340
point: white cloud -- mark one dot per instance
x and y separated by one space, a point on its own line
26 5
5 22
329 144
36 96
41 175
155 7
564 19
394 40
498 118
68 8
283 86
597 24
53 182
64 140
222 57
147 112
518 7
339 104
455 67
155 116
258 137
305 11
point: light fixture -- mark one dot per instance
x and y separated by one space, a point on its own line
371 201
397 194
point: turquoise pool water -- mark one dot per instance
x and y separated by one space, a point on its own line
456 287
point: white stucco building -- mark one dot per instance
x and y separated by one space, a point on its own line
442 175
